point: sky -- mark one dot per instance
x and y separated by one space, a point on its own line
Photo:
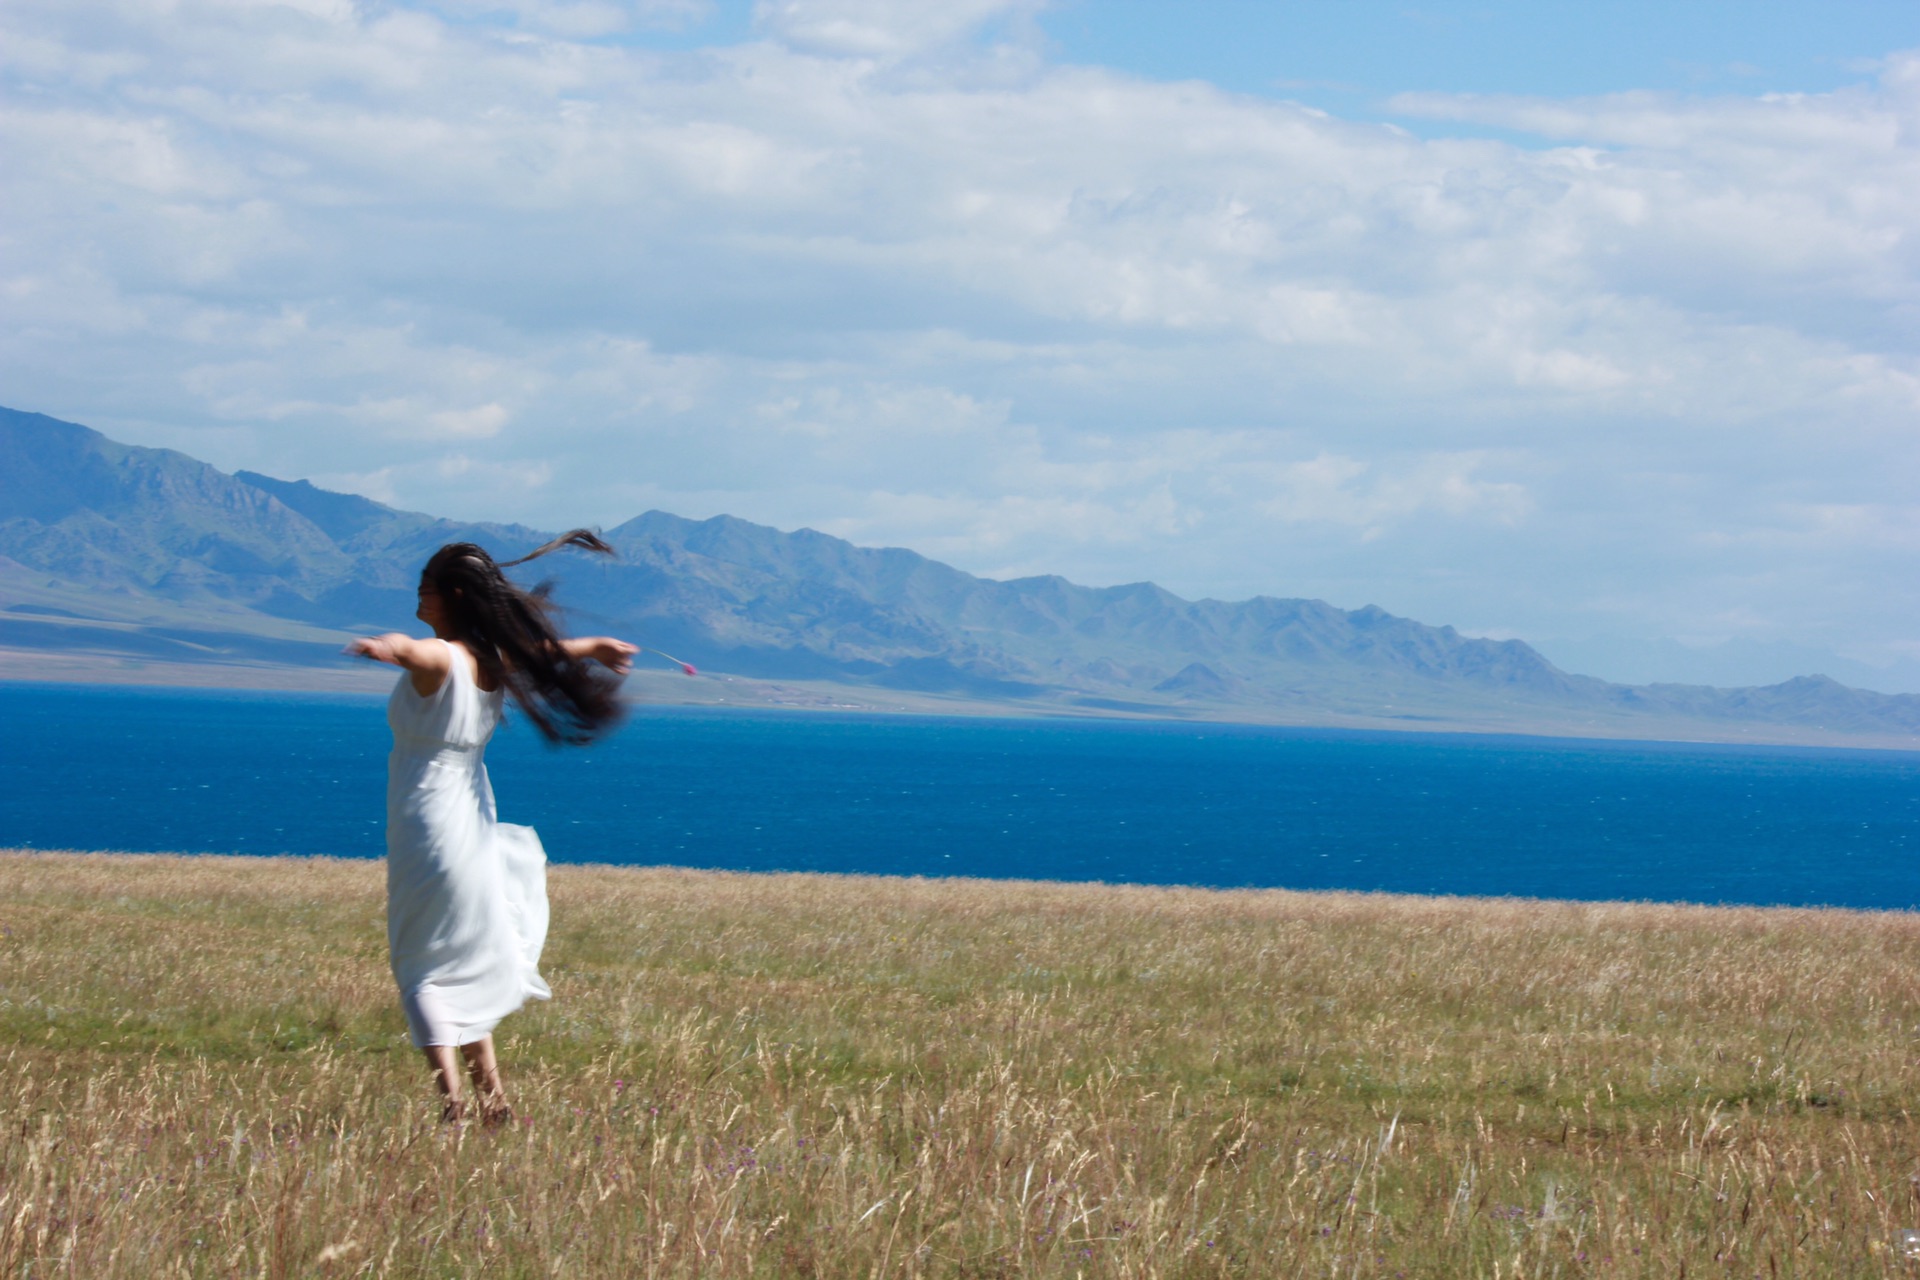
1593 325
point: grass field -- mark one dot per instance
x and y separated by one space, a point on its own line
206 1074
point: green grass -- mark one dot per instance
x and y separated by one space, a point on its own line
206 1074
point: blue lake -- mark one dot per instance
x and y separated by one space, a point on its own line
104 768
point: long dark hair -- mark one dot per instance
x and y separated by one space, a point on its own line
511 634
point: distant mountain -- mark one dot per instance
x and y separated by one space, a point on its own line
117 549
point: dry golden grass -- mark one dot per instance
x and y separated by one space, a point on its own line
206 1074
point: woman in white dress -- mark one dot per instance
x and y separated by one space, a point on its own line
467 894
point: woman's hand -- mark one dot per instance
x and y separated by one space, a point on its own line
386 648
615 655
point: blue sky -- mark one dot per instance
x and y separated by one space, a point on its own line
1594 325
1354 54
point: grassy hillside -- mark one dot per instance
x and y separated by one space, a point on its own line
206 1074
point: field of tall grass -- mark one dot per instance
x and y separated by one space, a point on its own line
206 1074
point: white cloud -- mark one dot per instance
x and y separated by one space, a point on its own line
881 29
874 273
478 423
1347 491
583 19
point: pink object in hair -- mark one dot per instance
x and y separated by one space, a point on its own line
684 666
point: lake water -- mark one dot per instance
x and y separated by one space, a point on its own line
103 768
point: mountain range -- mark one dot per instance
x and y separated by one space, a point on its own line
115 553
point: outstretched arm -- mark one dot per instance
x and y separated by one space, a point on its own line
615 655
427 661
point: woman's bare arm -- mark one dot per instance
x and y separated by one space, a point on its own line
615 655
427 661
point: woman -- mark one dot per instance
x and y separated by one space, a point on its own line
467 895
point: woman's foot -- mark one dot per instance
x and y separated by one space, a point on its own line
455 1112
497 1117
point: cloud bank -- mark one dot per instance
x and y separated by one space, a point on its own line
886 270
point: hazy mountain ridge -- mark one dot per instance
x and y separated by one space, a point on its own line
116 548
862 605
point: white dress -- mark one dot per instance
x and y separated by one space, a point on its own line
466 894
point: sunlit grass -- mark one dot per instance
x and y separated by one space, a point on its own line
206 1074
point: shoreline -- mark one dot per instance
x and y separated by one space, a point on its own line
719 691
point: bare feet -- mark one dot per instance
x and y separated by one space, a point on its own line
490 1098
489 1094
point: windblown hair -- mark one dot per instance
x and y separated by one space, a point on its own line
511 634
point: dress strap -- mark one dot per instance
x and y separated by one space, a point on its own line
462 659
